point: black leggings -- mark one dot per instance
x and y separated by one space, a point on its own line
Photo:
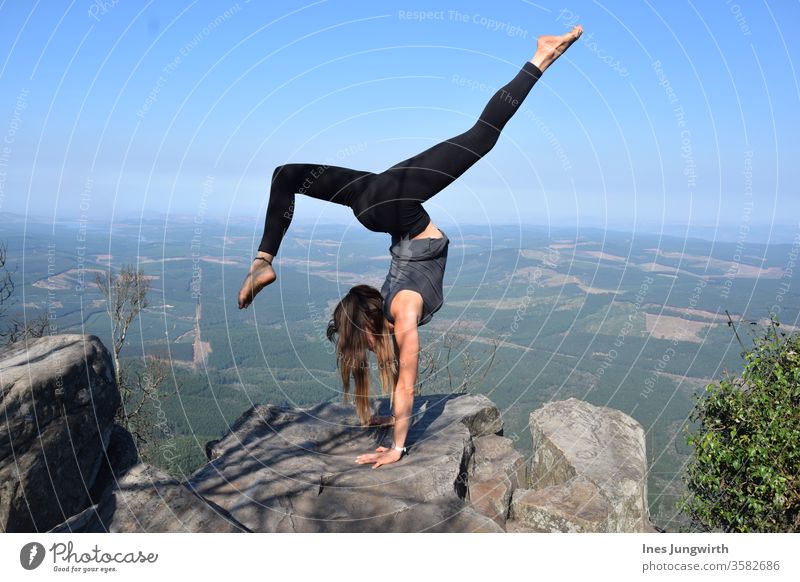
391 201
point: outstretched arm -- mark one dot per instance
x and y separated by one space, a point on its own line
406 311
406 333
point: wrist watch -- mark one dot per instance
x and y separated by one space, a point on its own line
403 450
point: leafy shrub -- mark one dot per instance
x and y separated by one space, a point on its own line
745 472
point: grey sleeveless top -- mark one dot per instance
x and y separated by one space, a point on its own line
417 264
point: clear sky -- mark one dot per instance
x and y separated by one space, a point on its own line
681 112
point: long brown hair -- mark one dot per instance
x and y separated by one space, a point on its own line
358 313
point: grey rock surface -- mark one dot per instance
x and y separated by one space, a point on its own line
58 397
294 470
147 500
588 471
495 470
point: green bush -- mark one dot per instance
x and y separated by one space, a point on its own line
744 475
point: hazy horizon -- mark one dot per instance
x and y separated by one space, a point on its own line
777 234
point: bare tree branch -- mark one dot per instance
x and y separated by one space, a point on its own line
6 279
125 294
16 330
19 330
437 376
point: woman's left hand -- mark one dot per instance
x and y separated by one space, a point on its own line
383 456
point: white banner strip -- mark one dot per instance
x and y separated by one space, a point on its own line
391 556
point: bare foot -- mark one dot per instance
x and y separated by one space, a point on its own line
549 48
260 275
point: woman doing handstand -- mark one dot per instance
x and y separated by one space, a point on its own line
386 322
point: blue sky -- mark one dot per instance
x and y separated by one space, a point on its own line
664 112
